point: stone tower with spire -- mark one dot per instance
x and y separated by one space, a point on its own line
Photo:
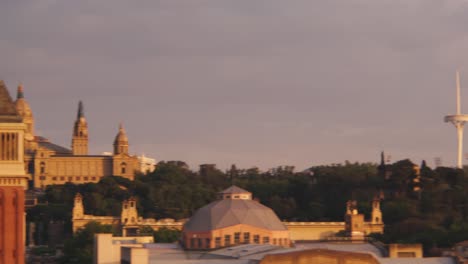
80 133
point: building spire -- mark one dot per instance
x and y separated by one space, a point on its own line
80 133
80 109
20 93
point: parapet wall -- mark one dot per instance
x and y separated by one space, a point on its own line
300 231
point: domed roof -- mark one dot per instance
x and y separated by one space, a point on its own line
121 136
21 105
231 212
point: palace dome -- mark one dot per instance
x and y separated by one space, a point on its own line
121 137
22 107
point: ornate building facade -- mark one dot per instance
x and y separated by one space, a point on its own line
49 163
13 181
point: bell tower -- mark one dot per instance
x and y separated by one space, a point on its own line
80 133
13 181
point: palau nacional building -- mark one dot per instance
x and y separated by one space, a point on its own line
48 163
29 160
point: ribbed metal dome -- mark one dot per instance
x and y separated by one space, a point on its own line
231 212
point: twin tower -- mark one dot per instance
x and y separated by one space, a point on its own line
80 136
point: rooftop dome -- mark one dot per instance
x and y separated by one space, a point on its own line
121 136
22 106
233 210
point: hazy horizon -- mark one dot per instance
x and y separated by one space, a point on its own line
254 83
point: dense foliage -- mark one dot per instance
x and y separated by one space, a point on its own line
429 207
79 249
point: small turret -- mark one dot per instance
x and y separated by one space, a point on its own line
121 142
78 209
376 215
24 110
354 221
129 215
80 133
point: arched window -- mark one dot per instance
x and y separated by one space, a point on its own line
377 219
42 167
123 168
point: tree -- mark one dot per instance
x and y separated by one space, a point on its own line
166 235
79 248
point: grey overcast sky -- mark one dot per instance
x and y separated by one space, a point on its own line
252 82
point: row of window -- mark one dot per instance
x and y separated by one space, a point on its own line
69 179
123 167
247 239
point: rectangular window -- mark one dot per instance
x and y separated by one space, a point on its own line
70 179
246 237
78 178
93 178
62 178
256 239
85 178
266 240
41 178
207 243
54 178
237 238
274 241
218 242
227 240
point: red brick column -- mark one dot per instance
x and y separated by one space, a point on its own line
11 225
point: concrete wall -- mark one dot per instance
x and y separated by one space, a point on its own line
134 255
321 230
108 249
405 251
